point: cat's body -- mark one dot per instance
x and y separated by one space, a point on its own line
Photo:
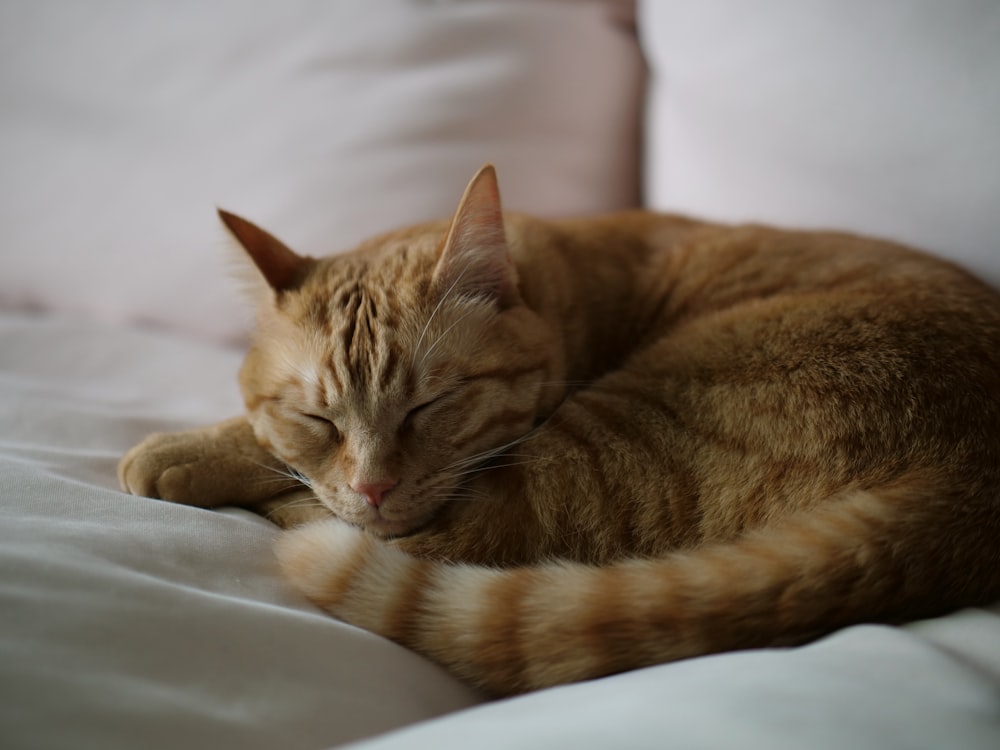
653 438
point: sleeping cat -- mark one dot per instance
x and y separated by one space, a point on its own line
545 451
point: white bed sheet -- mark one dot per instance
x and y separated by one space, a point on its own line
127 622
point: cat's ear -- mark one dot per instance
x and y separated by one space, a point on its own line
475 259
281 267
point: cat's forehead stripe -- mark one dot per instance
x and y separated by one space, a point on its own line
349 313
390 367
361 320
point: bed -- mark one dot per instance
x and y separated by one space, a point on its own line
127 622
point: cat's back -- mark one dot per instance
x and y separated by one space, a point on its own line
833 330
680 269
756 259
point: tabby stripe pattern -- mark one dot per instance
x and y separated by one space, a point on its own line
514 630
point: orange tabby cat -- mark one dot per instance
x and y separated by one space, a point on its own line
552 450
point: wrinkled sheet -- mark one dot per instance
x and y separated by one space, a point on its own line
127 622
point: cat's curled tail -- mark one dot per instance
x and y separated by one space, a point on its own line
879 555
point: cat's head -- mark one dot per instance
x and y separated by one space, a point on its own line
387 375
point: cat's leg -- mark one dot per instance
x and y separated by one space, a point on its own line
293 509
222 464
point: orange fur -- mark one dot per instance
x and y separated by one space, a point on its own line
617 441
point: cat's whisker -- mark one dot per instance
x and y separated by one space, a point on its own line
282 476
434 312
484 466
304 502
294 505
441 338
288 482
286 473
490 453
489 467
471 461
465 493
463 474
428 379
509 459
311 501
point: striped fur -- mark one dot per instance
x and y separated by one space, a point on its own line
514 630
548 451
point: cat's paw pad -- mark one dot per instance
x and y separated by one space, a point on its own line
346 571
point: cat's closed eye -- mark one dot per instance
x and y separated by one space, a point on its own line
417 410
323 423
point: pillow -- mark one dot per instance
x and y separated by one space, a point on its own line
877 117
125 124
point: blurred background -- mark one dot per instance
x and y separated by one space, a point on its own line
124 124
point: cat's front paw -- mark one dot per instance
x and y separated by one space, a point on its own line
168 466
217 465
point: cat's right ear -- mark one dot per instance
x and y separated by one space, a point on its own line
475 259
281 267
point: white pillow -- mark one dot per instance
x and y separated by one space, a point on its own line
124 124
881 117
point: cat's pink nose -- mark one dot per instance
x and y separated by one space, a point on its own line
373 491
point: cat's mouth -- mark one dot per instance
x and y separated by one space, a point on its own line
388 520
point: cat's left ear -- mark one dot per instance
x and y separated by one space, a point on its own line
282 268
475 259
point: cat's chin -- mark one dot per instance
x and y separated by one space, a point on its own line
375 522
392 529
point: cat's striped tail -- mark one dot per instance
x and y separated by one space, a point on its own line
869 556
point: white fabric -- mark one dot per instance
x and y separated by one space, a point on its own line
123 124
880 117
933 685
